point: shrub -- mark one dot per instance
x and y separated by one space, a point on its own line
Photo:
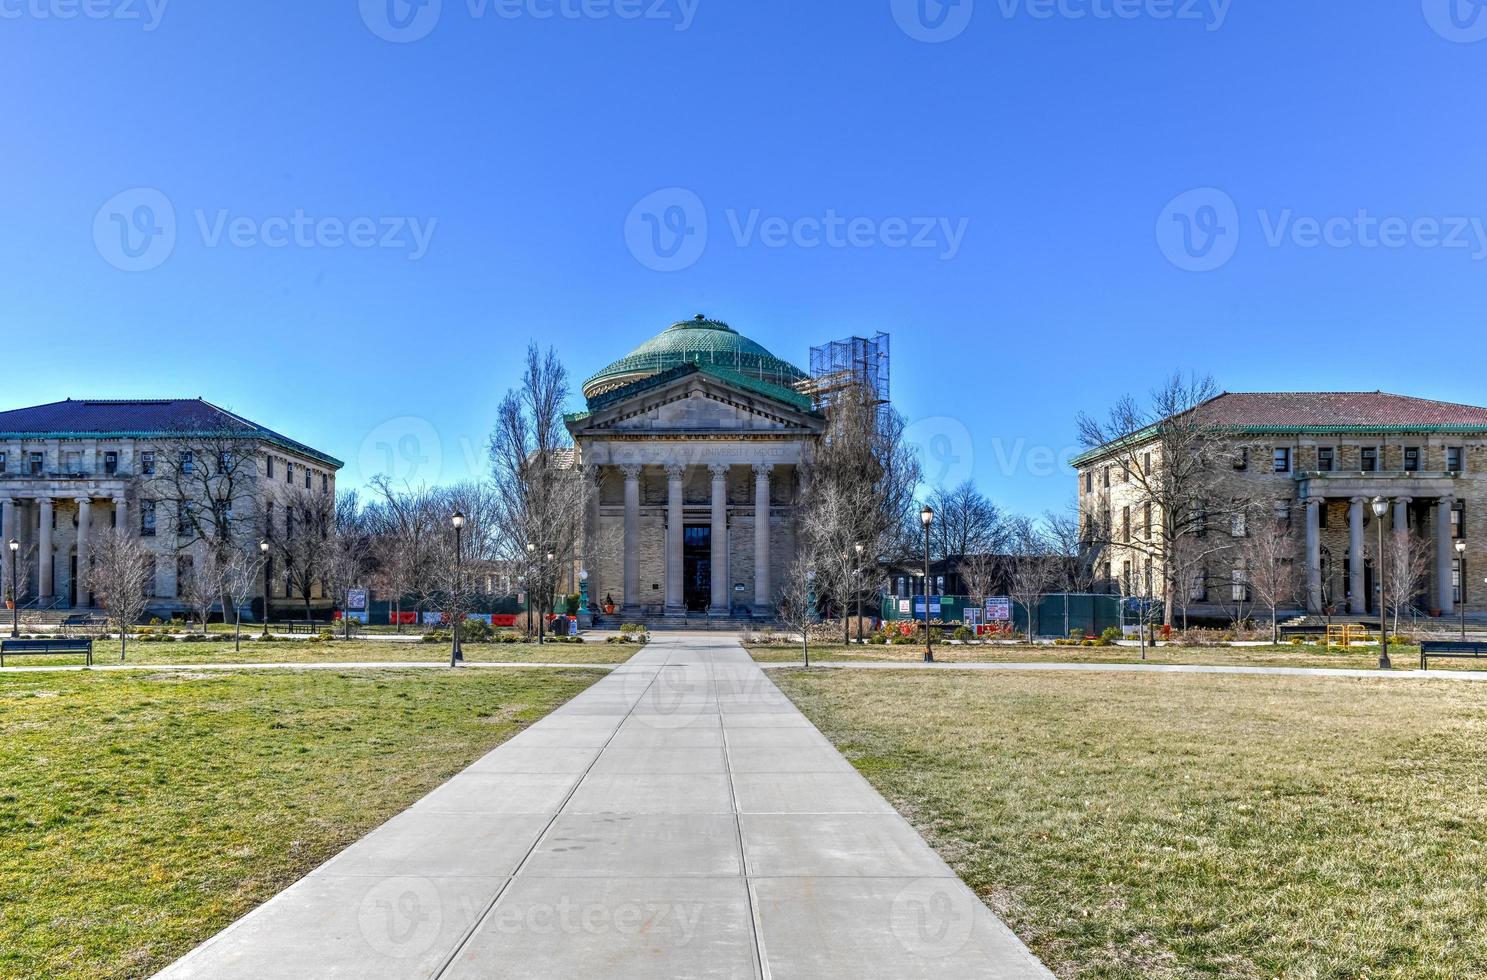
1111 634
963 633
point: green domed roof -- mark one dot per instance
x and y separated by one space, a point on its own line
697 341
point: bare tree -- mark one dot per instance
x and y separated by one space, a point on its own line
1267 554
348 556
966 522
793 606
979 573
25 561
1032 569
404 533
240 582
204 582
1068 539
1404 574
1171 454
121 579
304 545
203 484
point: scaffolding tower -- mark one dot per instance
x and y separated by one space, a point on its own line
843 364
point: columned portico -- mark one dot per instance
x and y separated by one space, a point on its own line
1445 556
80 588
1357 595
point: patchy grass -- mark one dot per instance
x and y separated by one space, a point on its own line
1145 825
340 651
140 813
1364 658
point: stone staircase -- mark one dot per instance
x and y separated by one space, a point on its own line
692 622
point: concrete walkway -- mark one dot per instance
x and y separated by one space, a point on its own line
679 819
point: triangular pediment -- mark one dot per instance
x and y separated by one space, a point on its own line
696 401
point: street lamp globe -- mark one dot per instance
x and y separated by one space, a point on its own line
14 545
927 515
1461 546
1380 506
263 546
458 520
531 548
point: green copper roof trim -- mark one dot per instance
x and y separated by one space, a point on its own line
699 341
1146 435
778 393
286 444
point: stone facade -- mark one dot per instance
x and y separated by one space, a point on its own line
59 490
1322 478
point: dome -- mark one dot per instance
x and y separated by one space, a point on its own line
696 341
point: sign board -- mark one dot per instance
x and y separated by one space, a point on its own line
433 618
934 606
356 599
356 616
903 606
999 610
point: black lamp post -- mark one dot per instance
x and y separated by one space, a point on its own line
263 547
927 517
15 590
1461 577
531 586
547 591
1380 508
858 548
456 655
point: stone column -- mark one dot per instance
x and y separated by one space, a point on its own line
44 549
632 538
719 540
1357 601
121 515
1402 520
763 603
1314 554
1445 555
590 525
8 530
84 549
676 604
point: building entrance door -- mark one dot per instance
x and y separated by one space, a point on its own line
697 560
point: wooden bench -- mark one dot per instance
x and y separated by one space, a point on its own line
28 648
1450 648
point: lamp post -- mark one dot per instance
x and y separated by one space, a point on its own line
583 591
858 548
15 591
1461 577
531 585
547 591
927 517
456 655
1380 508
263 548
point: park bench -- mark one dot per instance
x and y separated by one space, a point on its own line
28 648
307 629
1449 648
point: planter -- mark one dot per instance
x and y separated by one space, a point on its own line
609 609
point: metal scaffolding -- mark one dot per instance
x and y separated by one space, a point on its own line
843 364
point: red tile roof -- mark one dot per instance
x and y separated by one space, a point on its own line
1324 409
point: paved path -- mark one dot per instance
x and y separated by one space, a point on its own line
679 819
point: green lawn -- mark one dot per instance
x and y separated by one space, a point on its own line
140 813
340 651
1142 825
1367 658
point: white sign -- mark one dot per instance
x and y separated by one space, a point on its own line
356 599
999 610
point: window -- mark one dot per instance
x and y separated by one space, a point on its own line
1107 478
1239 587
1283 461
270 470
183 573
147 518
1239 524
1200 522
1147 578
1146 463
1455 459
1456 579
325 483
1125 518
1125 579
268 520
1322 512
188 462
184 519
1283 513
224 461
147 464
307 479
1369 459
1326 459
1412 459
1089 478
1198 591
3 460
38 463
288 472
1458 521
1241 460
110 463
1146 519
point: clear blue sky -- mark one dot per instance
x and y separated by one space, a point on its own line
1054 143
